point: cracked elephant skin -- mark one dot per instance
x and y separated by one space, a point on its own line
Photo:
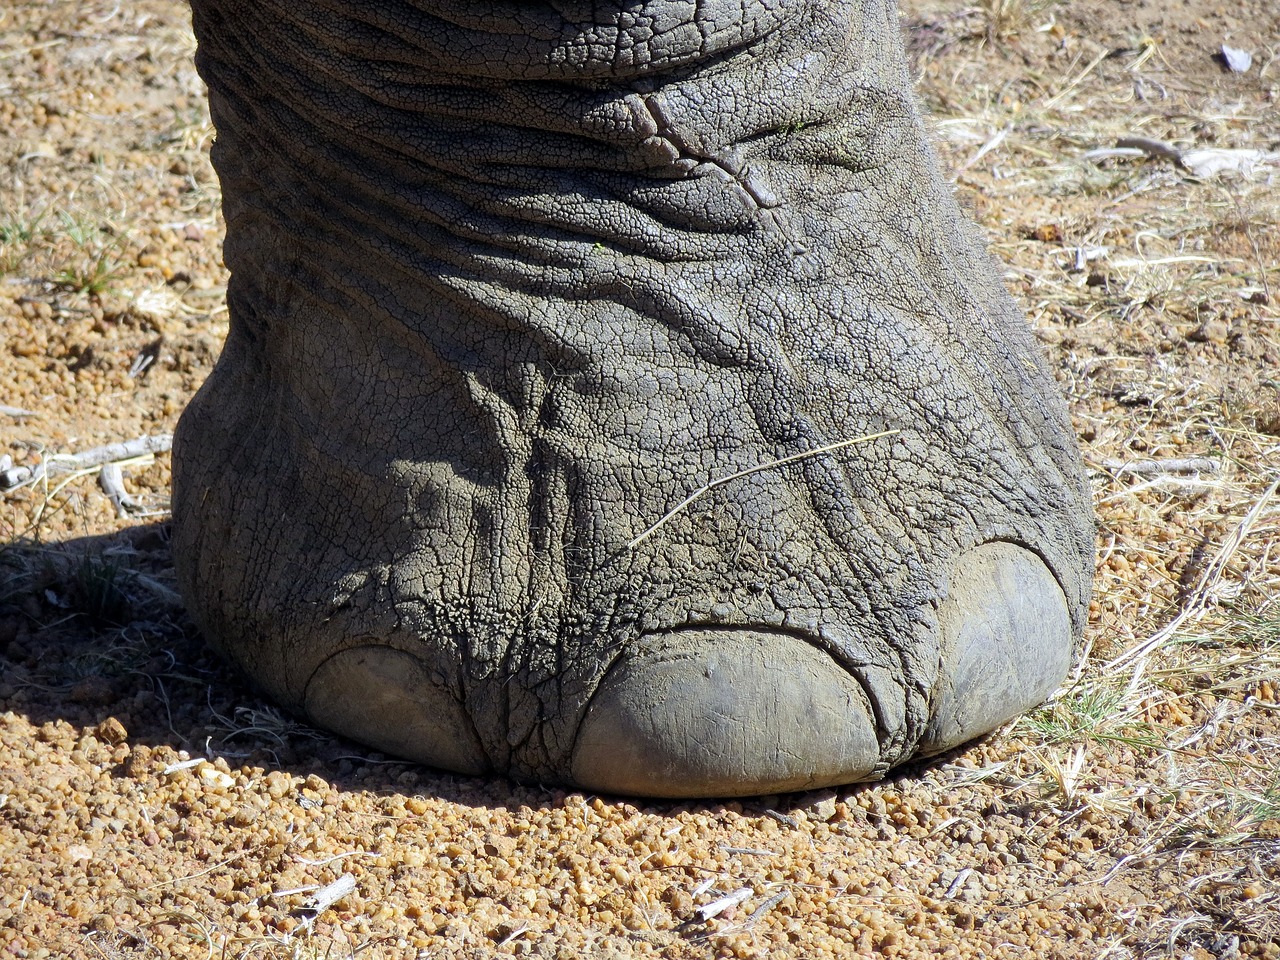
511 282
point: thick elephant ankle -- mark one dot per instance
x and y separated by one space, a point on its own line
615 396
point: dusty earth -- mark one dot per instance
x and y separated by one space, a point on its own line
151 805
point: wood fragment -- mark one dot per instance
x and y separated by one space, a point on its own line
719 906
758 913
1150 468
111 480
88 460
18 413
324 898
1113 153
1161 149
784 819
331 893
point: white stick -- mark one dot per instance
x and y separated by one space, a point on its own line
328 895
717 907
72 462
1149 468
111 480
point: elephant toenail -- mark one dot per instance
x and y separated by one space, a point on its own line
1006 643
384 698
721 712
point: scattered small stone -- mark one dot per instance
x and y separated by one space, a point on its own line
93 691
1214 330
824 808
112 731
1237 60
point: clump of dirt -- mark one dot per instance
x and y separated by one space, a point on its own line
151 804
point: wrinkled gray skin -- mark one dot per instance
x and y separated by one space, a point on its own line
511 280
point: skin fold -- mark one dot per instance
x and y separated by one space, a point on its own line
510 282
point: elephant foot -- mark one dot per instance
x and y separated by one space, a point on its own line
614 395
706 712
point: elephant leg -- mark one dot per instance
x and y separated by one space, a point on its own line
616 396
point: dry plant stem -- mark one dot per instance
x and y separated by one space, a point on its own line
1165 482
1253 244
90 459
1201 598
1056 100
720 481
987 148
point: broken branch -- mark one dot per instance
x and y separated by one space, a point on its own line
116 453
1151 468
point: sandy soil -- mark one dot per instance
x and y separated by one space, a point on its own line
151 805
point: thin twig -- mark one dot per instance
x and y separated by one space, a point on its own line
1152 148
111 480
720 481
764 908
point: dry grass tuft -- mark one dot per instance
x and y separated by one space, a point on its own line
1006 18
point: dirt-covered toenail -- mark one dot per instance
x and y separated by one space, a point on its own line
1006 640
724 713
384 698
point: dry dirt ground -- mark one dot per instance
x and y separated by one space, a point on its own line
151 805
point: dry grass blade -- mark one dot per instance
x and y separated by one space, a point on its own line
1202 597
772 464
